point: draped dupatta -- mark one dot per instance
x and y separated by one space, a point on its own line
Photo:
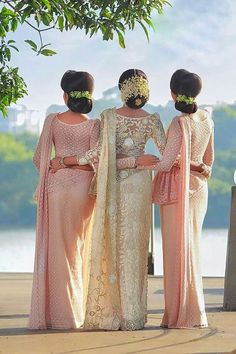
183 223
103 300
40 285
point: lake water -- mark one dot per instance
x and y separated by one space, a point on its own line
17 251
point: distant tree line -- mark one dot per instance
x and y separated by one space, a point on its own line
18 176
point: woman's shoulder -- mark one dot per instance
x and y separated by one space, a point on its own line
49 119
205 115
95 122
208 111
155 117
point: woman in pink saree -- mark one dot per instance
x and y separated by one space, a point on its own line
64 210
183 196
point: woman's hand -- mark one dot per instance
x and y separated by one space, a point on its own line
201 168
147 160
55 164
177 161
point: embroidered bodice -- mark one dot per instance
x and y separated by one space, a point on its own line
132 135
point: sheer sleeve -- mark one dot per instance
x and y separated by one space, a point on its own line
126 163
172 148
158 134
92 156
94 137
44 136
208 157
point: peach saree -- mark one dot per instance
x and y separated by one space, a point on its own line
63 217
182 213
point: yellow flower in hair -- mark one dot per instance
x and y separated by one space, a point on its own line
135 86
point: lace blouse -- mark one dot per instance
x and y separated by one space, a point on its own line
202 142
132 135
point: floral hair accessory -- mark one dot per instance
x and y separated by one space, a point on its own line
134 86
80 94
185 99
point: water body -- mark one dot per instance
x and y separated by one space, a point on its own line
17 251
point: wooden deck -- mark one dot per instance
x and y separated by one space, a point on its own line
15 290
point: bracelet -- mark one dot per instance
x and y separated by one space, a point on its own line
61 162
206 170
77 159
83 161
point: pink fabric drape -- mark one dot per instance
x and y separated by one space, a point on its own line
41 159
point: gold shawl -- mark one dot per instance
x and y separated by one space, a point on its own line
103 304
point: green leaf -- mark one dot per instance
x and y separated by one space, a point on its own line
12 46
47 52
8 54
46 19
69 17
61 23
47 4
31 43
26 13
14 24
121 39
2 31
149 22
145 30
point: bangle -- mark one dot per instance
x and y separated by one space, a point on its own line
206 170
83 161
77 159
61 162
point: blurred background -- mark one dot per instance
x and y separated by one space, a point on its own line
200 38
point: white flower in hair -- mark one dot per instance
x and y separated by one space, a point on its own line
135 86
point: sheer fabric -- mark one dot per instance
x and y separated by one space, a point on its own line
181 222
63 218
117 291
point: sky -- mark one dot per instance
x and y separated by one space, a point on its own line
199 36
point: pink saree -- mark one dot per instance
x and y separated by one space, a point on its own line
39 292
183 202
63 222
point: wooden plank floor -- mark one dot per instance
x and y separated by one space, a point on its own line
15 290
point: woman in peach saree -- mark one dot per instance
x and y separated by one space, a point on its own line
183 203
64 210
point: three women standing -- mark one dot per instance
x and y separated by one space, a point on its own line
117 271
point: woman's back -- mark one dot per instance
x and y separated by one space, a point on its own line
201 132
73 139
133 133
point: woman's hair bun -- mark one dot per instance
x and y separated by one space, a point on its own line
78 81
133 84
186 108
186 84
